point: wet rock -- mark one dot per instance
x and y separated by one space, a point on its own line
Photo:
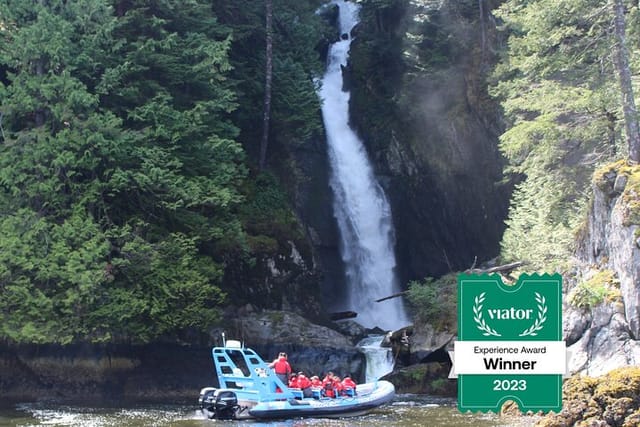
283 327
426 378
311 348
426 340
352 329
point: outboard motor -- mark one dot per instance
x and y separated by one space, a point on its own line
205 395
224 405
206 400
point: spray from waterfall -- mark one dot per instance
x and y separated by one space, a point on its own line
360 205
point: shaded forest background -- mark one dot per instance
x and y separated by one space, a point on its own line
132 207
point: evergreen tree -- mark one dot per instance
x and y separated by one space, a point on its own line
557 84
297 33
54 251
119 173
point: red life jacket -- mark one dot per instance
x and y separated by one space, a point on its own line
303 382
348 382
328 390
282 366
293 382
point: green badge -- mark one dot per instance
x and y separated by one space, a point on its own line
509 343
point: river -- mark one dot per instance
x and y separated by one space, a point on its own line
403 411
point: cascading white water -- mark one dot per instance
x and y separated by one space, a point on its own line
379 359
360 205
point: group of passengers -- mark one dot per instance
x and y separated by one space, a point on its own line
330 386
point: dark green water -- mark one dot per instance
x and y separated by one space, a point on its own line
404 411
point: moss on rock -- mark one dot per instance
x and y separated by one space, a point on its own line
605 178
603 286
610 400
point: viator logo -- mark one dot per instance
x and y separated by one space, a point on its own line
509 344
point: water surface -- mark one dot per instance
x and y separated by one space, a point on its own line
403 411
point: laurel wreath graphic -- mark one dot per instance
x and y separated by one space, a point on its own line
477 317
542 317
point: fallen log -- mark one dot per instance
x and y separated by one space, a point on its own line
496 269
340 315
396 295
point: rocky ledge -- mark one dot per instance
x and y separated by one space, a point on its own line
612 400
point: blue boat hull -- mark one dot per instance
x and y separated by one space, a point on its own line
370 396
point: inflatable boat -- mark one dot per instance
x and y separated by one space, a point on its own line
249 389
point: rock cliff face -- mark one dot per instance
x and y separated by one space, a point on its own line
286 279
605 335
419 100
311 348
314 205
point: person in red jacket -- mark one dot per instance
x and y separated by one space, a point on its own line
327 385
315 381
304 384
282 368
293 381
327 378
338 389
349 386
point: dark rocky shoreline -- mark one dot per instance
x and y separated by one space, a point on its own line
166 371
83 371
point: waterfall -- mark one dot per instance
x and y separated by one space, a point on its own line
379 359
360 205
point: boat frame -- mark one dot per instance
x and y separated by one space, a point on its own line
248 388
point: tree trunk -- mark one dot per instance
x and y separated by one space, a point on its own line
39 113
611 131
267 84
483 34
1 129
626 88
